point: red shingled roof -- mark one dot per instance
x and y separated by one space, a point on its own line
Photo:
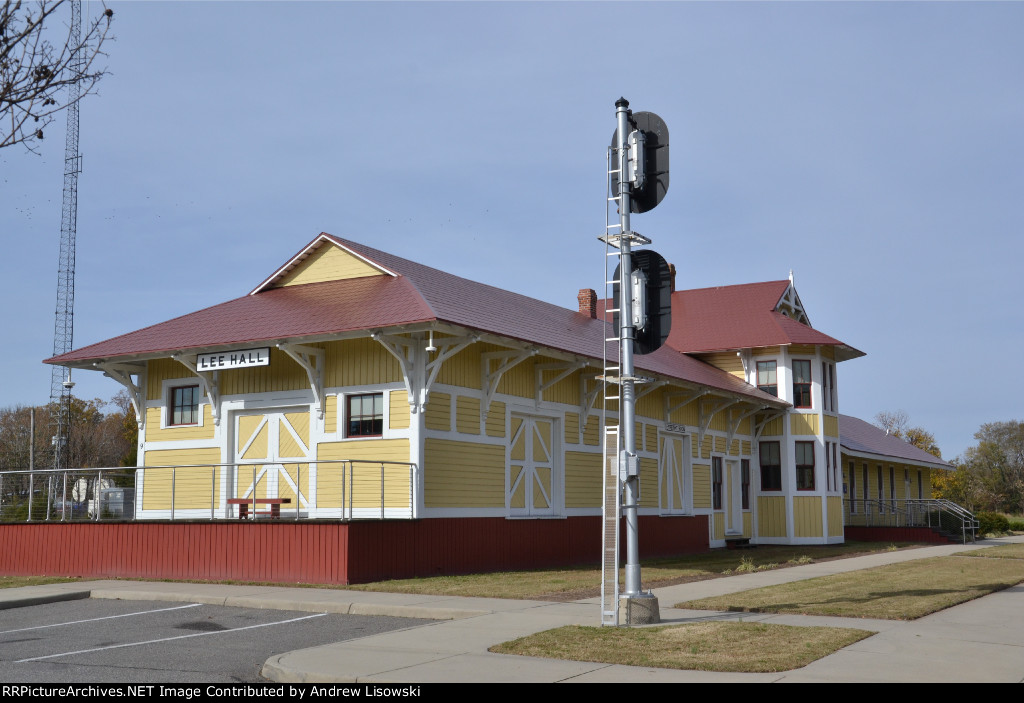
856 435
279 313
416 294
740 317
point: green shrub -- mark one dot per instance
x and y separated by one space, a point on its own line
1016 525
992 523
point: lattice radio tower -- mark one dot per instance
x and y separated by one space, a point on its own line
63 330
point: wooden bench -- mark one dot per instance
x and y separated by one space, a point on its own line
244 504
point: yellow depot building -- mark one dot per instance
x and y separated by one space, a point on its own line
356 385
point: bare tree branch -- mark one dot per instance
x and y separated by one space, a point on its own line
893 422
35 74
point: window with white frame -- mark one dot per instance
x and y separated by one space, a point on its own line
769 454
892 488
805 466
716 482
853 487
835 466
183 402
828 466
364 415
881 489
828 386
767 377
745 484
801 383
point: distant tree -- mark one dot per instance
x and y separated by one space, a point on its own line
35 71
101 435
996 467
897 424
129 428
15 433
894 422
958 485
922 439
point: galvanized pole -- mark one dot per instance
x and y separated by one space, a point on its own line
627 456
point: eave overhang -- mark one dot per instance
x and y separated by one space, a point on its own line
890 459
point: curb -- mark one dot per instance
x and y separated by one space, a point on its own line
21 602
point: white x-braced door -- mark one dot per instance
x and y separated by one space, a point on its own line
531 481
277 444
672 488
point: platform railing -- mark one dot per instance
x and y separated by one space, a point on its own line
938 514
343 489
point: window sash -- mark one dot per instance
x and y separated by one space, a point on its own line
745 484
716 483
892 488
770 462
184 405
801 383
365 415
767 377
805 466
835 467
853 487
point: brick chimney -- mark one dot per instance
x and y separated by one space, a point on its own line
588 301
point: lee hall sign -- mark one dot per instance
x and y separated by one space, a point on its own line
242 358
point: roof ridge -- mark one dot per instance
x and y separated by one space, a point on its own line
430 269
731 285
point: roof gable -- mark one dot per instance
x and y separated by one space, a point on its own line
791 306
744 317
323 259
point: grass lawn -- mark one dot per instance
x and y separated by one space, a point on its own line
15 581
709 646
585 582
1006 551
896 592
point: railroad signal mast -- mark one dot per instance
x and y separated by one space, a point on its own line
638 299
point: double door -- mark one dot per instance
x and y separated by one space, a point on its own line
532 481
272 455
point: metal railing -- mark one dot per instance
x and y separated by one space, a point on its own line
942 515
343 489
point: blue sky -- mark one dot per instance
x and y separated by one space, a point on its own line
875 149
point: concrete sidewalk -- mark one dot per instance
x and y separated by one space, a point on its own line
979 641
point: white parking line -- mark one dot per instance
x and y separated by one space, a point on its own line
169 639
107 617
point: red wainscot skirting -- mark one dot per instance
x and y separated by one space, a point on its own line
324 552
895 534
